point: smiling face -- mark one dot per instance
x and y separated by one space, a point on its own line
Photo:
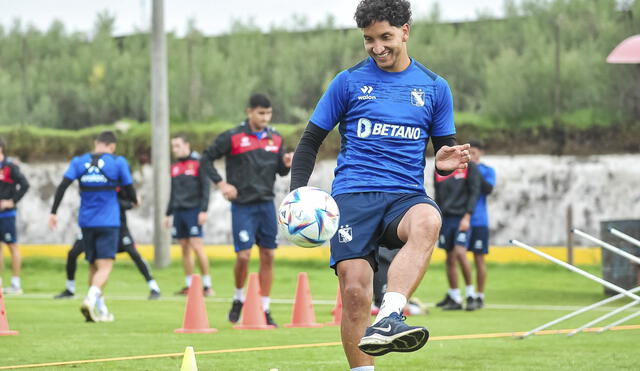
180 148
387 45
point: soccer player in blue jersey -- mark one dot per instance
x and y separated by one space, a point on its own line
479 240
387 107
99 174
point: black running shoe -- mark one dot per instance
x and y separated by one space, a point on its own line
270 321
447 299
452 305
471 304
391 334
234 313
66 294
183 291
479 303
208 291
154 295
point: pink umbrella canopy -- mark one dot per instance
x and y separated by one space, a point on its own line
627 51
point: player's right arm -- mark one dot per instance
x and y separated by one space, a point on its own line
221 147
329 111
70 175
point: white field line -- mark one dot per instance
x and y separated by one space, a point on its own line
175 298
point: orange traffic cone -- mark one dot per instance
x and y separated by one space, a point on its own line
253 317
337 310
303 314
195 313
4 324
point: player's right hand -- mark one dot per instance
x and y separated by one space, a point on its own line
167 222
53 221
229 191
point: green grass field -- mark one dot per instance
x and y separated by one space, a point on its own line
519 298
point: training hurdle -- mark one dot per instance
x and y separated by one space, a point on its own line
581 272
624 236
620 252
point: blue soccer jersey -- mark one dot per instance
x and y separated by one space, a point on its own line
98 181
386 119
480 217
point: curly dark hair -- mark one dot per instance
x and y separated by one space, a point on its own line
396 12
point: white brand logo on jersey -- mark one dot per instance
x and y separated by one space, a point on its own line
366 90
344 234
93 173
417 97
364 128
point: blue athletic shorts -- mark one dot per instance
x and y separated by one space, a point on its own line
254 223
100 243
185 224
364 217
479 240
449 234
8 229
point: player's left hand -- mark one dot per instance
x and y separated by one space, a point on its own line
453 158
464 223
53 221
202 218
6 204
287 158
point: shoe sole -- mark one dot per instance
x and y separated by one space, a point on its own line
452 308
407 341
63 297
86 312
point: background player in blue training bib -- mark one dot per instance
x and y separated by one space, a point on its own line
387 107
99 174
479 240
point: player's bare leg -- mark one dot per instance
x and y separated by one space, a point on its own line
187 261
419 227
461 255
198 247
16 259
452 274
356 287
266 270
240 272
481 271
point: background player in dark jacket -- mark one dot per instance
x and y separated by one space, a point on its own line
479 239
13 186
254 154
457 194
188 206
125 244
99 175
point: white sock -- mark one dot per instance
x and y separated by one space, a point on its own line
470 291
206 280
480 295
391 302
15 282
153 285
71 285
101 305
455 295
187 281
265 303
239 295
93 294
363 368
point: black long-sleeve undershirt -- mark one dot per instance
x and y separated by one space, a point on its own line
128 192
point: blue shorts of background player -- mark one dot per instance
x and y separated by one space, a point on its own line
100 243
450 236
254 223
185 224
368 220
479 240
8 230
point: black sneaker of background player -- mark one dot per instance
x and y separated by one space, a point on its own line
447 299
471 304
66 294
270 321
452 305
154 295
234 313
479 303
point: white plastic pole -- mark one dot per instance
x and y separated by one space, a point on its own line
624 236
607 246
577 312
622 320
602 318
577 270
